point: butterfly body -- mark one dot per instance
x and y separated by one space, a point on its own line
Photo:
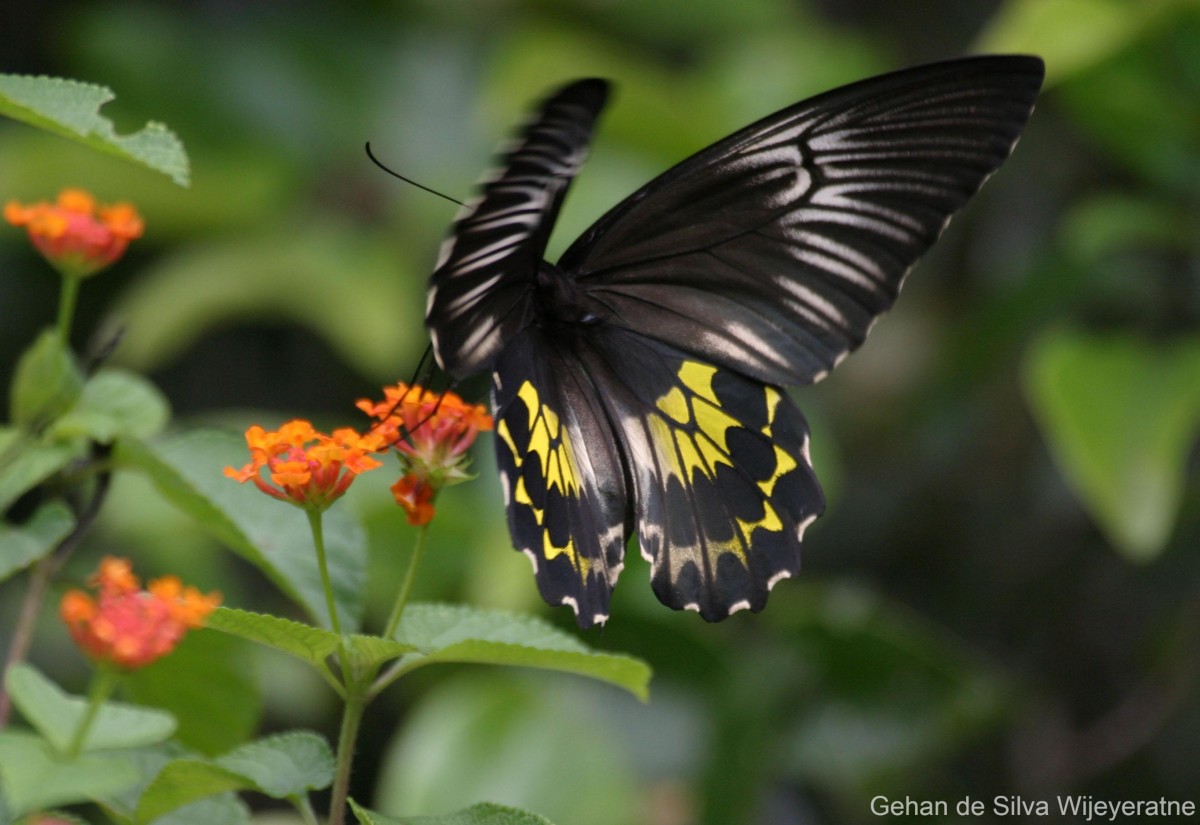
638 382
559 301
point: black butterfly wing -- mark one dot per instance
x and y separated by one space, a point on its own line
773 251
596 432
719 467
562 473
480 291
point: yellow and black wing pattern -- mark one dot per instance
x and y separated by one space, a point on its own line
713 469
638 384
720 470
563 476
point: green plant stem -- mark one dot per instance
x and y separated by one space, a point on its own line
43 573
31 606
314 521
358 689
304 806
352 715
66 307
103 683
395 671
410 575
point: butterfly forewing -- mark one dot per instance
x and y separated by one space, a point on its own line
773 251
479 293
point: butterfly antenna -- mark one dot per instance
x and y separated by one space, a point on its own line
424 370
396 174
426 363
421 375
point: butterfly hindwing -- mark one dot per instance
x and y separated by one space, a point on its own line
563 479
719 463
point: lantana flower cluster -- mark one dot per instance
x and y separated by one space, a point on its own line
304 466
127 626
78 236
431 433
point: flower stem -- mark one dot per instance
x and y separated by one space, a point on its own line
352 715
66 307
410 575
304 807
103 683
314 521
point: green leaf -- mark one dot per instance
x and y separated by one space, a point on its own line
504 737
485 813
22 545
311 644
204 678
184 781
33 777
47 382
115 403
1119 415
72 109
188 469
25 463
284 766
56 715
452 633
368 652
225 809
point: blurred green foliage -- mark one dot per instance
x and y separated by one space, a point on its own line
1121 414
1001 598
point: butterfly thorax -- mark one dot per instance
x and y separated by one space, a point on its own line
559 299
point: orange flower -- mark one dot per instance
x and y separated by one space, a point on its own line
431 432
431 429
415 495
307 467
75 234
130 627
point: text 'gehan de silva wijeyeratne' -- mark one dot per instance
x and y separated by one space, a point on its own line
1083 807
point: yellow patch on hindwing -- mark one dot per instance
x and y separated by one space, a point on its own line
692 437
784 463
557 465
697 424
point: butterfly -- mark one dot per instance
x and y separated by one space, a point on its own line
638 383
